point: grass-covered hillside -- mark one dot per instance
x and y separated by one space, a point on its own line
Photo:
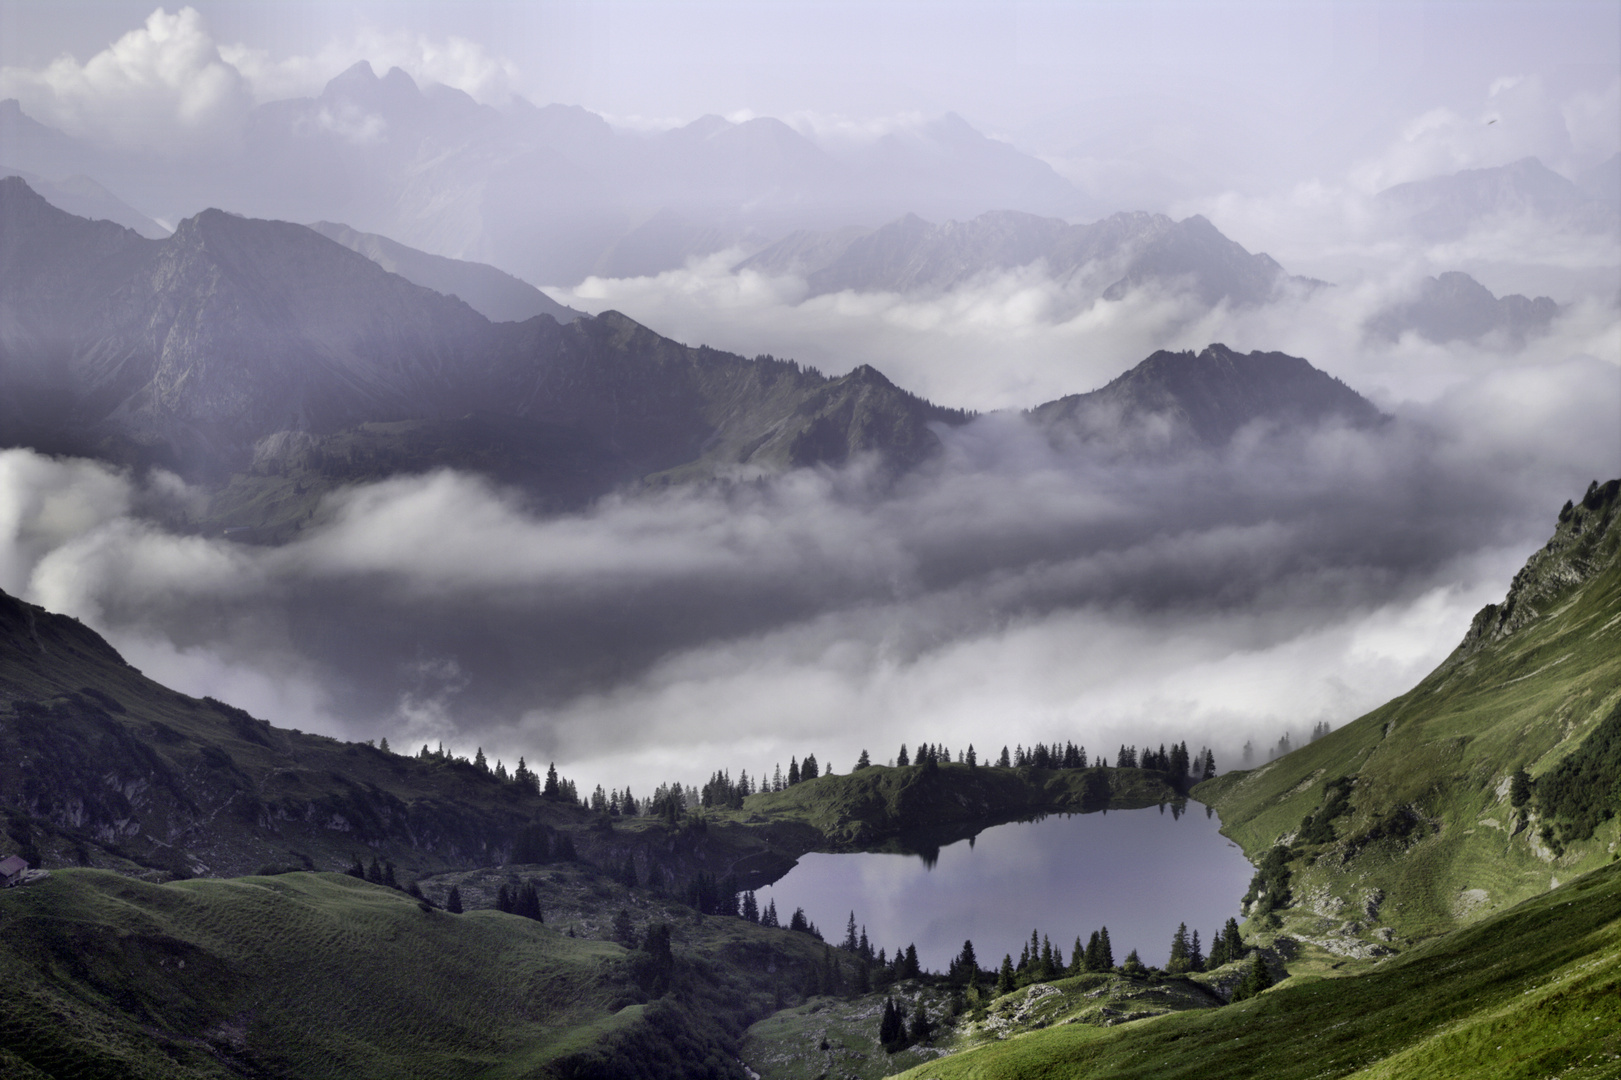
321 975
1409 821
1527 993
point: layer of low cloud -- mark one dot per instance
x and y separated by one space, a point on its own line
1009 593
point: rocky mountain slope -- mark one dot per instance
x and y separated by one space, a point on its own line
1107 258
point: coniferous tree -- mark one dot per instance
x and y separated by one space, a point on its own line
793 771
553 790
901 759
751 907
769 916
1258 978
503 899
972 761
1178 963
1005 977
382 744
908 966
851 942
480 761
1195 954
1094 953
453 902
863 762
968 963
891 1033
624 931
374 872
358 870
1105 950
809 770
1133 965
921 1031
1077 958
1519 788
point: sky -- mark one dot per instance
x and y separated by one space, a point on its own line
1012 590
1252 97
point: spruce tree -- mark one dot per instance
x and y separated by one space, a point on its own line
809 770
1094 953
1004 977
553 790
1519 788
1105 950
1178 962
453 902
624 931
751 907
863 762
851 942
901 759
793 771
1133 965
1077 958
922 1031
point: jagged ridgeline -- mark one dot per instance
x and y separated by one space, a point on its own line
263 358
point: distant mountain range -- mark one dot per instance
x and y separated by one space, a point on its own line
1109 257
274 364
239 345
1456 307
1448 207
555 193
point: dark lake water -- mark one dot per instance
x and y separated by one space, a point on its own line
1138 872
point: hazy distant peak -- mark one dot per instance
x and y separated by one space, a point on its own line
496 295
704 127
1455 307
1447 207
1210 395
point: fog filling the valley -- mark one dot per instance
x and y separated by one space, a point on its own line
1010 591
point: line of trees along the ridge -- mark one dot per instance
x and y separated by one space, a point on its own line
1179 766
672 800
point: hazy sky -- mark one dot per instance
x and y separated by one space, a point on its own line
1245 95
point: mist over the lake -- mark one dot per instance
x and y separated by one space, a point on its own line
1014 588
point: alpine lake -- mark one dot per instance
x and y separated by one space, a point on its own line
1138 872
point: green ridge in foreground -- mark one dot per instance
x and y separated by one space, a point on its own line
1420 833
1530 993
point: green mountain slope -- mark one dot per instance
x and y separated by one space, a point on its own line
1426 836
1528 993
